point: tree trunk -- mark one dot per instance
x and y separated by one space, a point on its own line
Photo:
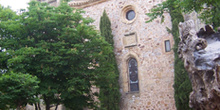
35 104
19 103
200 53
47 105
39 106
18 108
47 102
56 106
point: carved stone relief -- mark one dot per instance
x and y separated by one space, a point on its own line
130 40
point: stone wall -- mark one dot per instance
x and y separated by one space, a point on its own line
155 66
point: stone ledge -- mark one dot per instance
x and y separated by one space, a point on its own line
84 3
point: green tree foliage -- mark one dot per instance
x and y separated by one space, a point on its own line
109 93
209 10
6 14
16 90
59 47
182 84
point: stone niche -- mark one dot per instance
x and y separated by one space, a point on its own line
200 52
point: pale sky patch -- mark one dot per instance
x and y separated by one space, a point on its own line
15 5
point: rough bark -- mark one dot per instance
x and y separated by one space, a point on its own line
39 105
200 53
18 108
35 105
57 106
47 102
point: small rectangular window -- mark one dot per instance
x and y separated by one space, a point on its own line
167 46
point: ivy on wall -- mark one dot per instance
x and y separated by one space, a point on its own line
182 84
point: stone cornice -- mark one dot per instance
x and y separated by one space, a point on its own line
84 3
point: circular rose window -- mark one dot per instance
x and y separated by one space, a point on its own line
128 14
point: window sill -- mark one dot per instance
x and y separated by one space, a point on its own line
133 92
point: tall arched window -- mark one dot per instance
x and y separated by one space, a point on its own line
133 74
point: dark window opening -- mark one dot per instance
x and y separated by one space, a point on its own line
130 15
167 46
133 74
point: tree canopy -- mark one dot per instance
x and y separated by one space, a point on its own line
208 10
58 46
17 89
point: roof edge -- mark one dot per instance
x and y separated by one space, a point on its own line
85 3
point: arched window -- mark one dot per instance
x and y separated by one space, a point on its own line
133 74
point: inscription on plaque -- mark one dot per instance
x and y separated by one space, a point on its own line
130 40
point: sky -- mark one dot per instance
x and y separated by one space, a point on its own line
15 5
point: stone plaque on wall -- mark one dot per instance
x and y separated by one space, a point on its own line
130 40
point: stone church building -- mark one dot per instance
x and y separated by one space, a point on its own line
144 47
